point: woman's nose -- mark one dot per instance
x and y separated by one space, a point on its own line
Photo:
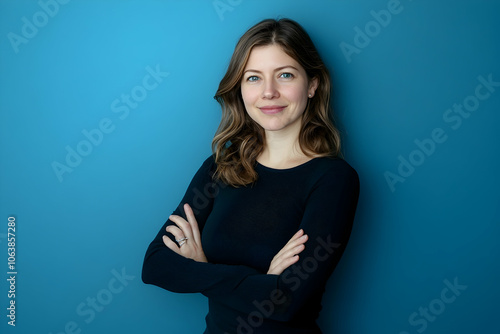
270 90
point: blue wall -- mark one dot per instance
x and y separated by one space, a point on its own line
107 112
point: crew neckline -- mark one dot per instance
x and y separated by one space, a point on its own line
287 169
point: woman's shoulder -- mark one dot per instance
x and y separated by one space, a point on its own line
206 170
209 161
209 164
336 168
336 164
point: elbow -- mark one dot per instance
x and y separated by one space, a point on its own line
150 268
153 276
146 275
155 272
152 264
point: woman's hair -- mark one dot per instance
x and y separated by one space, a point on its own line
239 139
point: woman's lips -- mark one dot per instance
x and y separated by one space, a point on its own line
270 110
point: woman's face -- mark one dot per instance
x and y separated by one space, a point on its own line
275 88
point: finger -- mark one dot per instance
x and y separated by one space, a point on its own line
298 239
170 244
297 236
282 265
289 253
293 251
183 225
175 231
194 224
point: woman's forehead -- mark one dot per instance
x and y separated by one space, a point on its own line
270 57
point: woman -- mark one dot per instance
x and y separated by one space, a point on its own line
266 218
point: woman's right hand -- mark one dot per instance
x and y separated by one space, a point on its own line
288 255
188 233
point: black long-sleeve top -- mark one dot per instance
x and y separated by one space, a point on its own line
242 230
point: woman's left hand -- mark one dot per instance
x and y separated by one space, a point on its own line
288 255
187 235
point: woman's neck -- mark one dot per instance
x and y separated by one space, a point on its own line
282 149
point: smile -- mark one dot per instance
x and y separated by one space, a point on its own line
271 110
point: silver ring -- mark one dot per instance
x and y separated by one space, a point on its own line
181 241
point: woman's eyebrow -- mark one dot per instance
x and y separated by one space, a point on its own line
275 70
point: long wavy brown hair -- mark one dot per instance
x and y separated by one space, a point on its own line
239 139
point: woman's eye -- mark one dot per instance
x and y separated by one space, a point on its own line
286 75
252 78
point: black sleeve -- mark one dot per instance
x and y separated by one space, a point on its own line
327 220
165 268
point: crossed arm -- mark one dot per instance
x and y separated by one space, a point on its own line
184 268
192 248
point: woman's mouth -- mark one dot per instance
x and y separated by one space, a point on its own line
270 110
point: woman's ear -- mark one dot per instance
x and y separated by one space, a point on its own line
313 85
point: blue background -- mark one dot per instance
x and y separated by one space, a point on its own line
76 233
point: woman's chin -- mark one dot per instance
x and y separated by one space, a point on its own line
278 125
273 128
